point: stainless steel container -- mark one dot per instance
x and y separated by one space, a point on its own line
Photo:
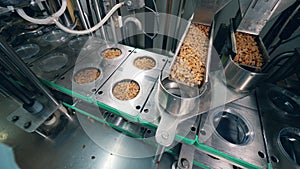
178 99
243 78
240 78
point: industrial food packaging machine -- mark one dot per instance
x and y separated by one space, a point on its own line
138 84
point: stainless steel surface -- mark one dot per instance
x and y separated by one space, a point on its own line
210 161
27 51
166 130
257 15
187 128
236 131
72 148
186 157
55 36
45 46
281 7
113 141
278 156
206 9
127 71
279 109
92 59
177 99
55 64
240 79
101 139
285 104
216 94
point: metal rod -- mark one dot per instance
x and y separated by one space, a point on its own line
81 15
159 152
14 89
14 58
13 69
113 29
98 14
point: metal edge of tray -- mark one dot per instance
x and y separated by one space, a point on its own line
181 42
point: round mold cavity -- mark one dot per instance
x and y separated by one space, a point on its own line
54 62
289 142
77 44
111 53
27 51
232 128
126 89
144 62
55 36
284 103
87 75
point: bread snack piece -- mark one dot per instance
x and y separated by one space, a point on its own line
126 90
144 63
189 66
111 53
87 75
247 49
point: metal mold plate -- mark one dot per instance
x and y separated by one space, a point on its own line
77 43
278 104
210 161
56 61
275 120
112 140
277 155
66 54
45 46
82 46
250 148
53 65
55 36
92 60
145 78
27 51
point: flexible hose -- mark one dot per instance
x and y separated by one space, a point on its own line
46 21
94 28
54 19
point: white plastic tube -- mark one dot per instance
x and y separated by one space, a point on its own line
46 21
94 28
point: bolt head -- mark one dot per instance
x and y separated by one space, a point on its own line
128 3
165 135
185 163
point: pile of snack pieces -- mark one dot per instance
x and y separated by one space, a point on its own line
87 75
189 66
126 90
111 53
144 63
247 50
